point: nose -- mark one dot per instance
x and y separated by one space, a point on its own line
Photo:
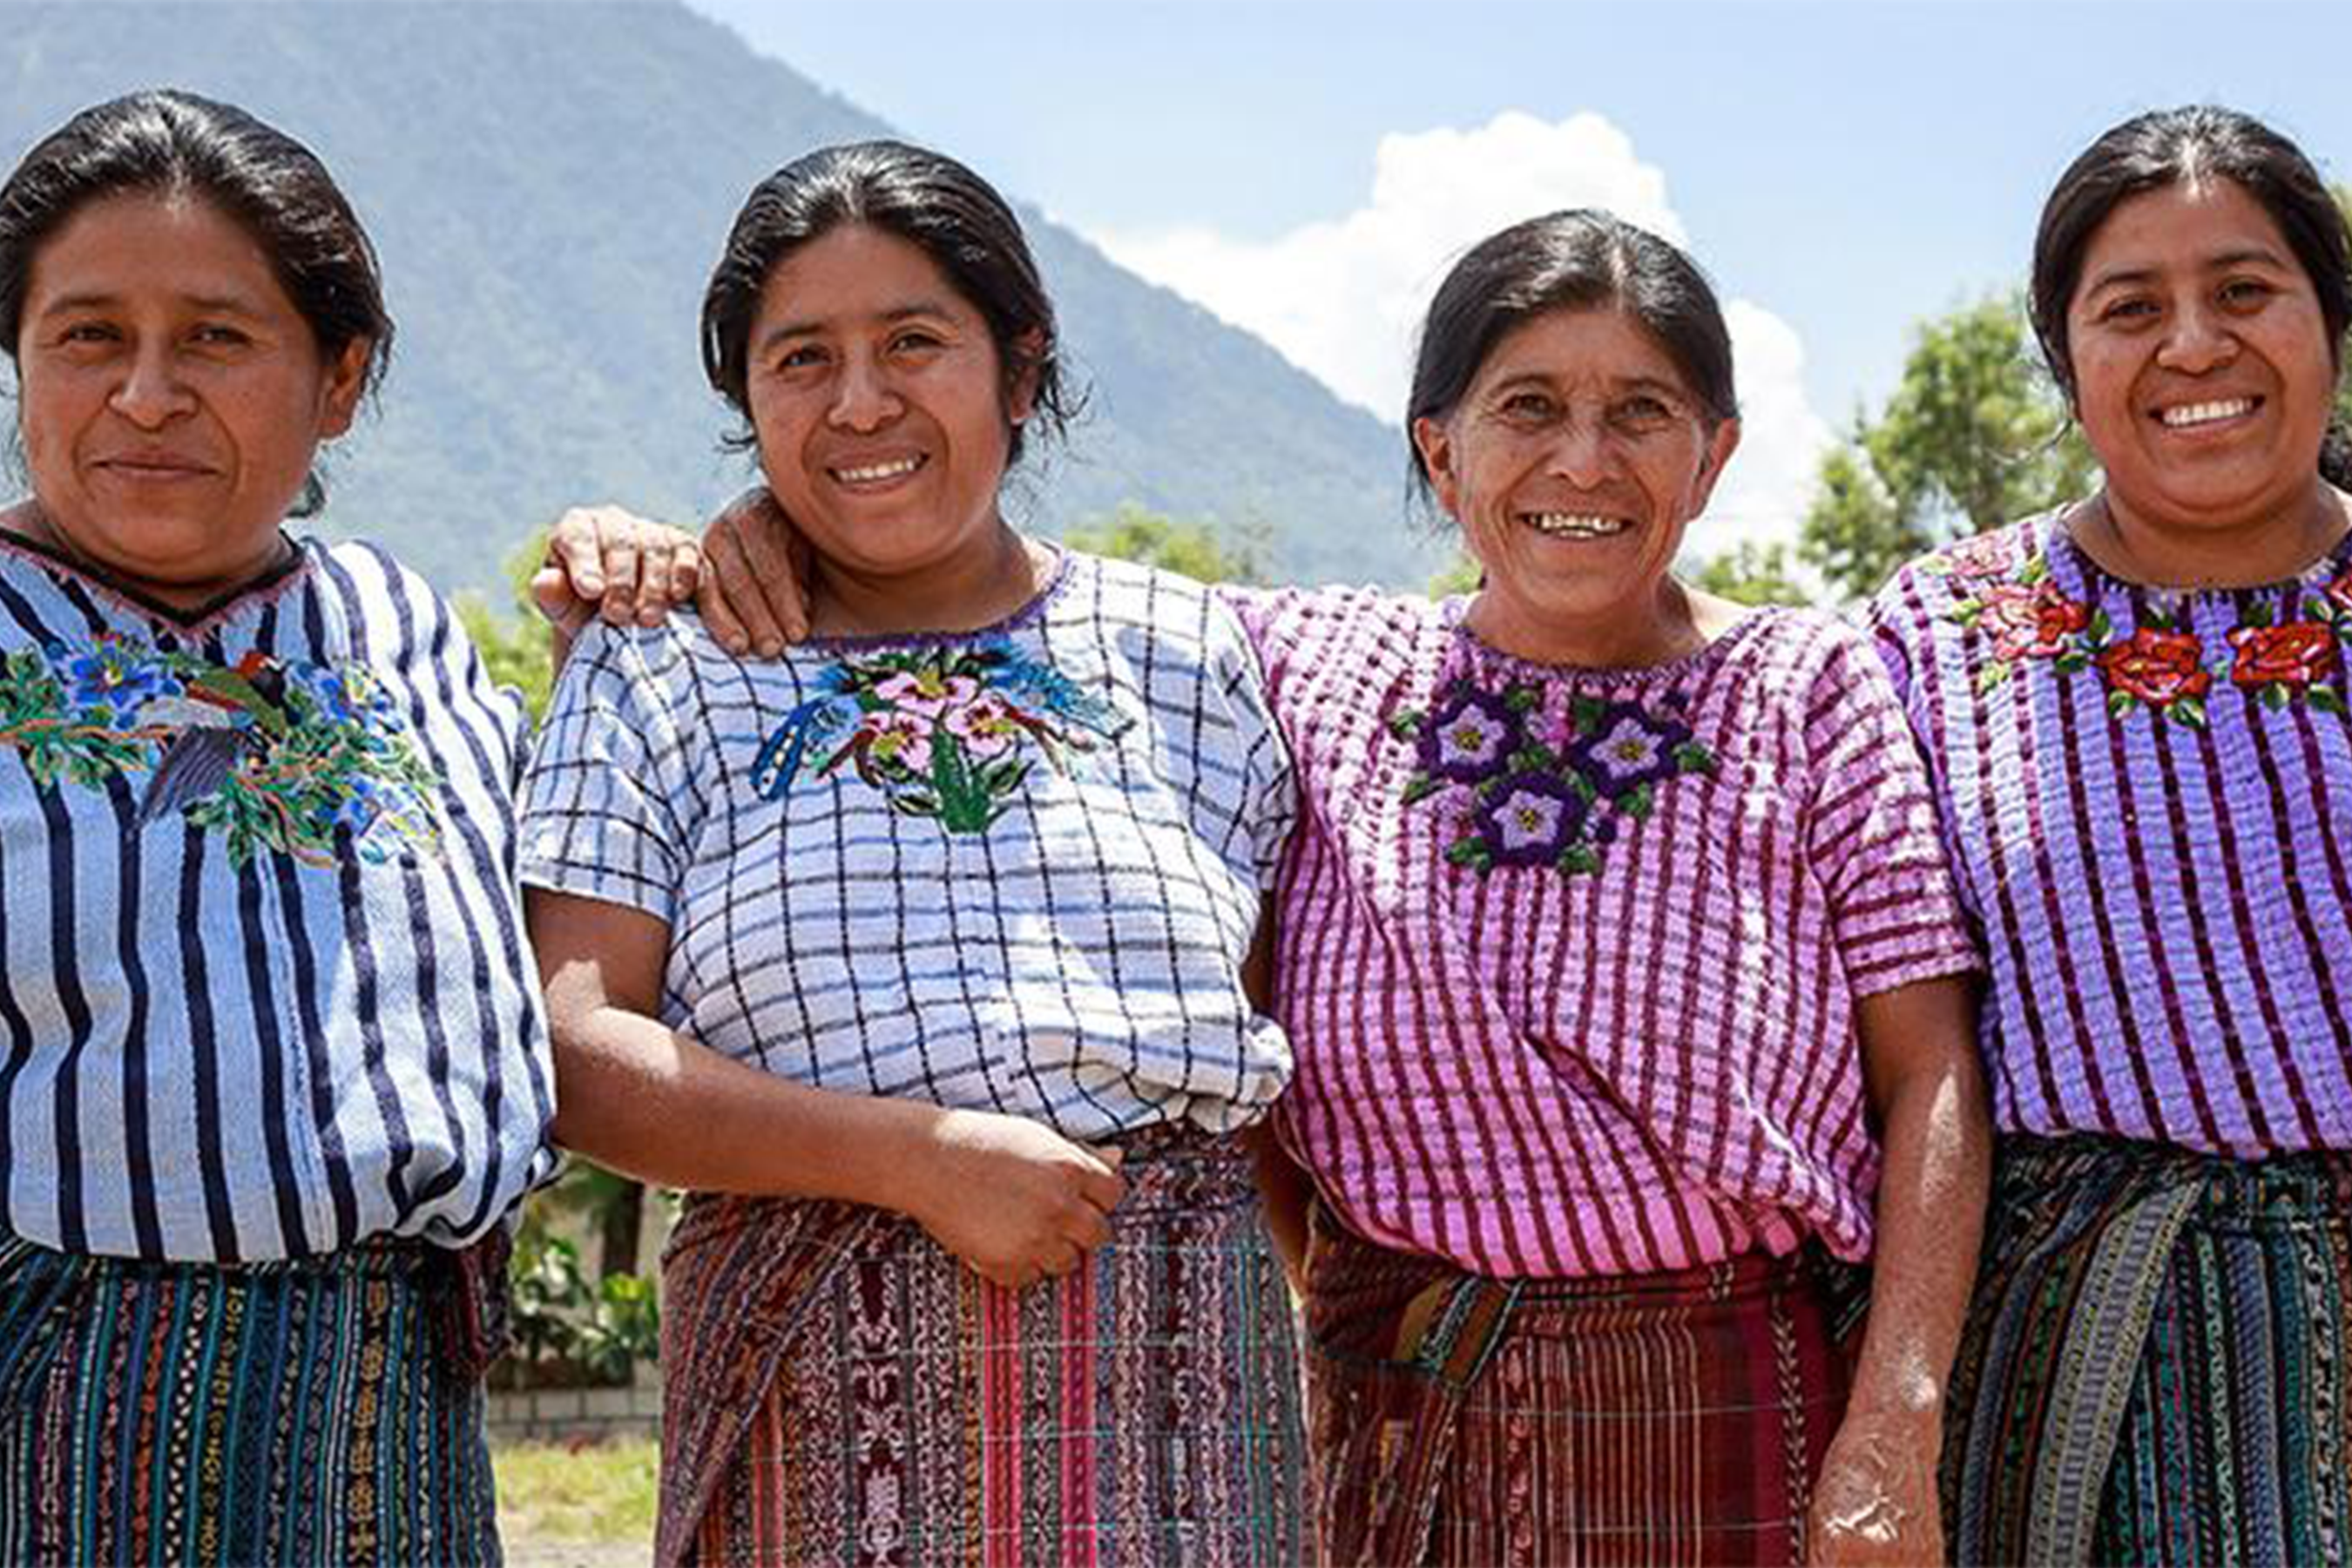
1580 452
2197 340
863 398
151 393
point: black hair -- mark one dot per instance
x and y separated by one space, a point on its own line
926 198
172 143
2165 147
1582 259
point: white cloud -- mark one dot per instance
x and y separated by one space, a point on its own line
1342 297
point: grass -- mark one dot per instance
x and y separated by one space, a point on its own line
597 1492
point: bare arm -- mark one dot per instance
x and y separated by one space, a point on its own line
1876 1501
1010 1196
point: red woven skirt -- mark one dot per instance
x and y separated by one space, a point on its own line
1675 1417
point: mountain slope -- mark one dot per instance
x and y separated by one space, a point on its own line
547 185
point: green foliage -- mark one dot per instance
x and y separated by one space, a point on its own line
515 643
552 1495
1751 574
1461 577
1972 438
1198 550
559 1317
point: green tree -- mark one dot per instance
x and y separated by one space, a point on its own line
1198 550
1973 437
514 643
1753 574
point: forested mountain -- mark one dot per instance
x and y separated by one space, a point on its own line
548 183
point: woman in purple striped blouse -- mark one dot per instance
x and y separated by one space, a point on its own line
2133 711
1627 985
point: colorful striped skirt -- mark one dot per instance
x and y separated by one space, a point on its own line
1675 1417
315 1411
2155 1364
842 1390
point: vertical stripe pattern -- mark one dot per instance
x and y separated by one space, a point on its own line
1674 1417
187 1413
2147 796
1644 1059
254 1021
2155 1364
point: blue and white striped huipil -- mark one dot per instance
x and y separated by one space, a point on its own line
267 989
1012 870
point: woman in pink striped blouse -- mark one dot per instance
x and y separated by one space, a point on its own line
1627 985
1627 988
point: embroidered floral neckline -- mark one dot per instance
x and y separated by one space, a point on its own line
947 731
1530 794
284 757
2286 647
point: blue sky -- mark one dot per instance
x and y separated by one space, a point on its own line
1303 167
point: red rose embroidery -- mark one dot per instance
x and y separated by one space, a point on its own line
2158 667
1980 556
2029 622
2294 654
2339 591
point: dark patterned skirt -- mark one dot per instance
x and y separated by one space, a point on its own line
325 1410
2156 1360
842 1390
1675 1417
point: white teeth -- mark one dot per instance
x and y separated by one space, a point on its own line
873 472
1565 525
2205 413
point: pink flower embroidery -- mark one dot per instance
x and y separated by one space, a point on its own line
2030 622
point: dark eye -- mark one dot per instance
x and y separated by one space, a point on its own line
217 335
88 332
1527 406
2245 292
2127 308
916 339
800 356
1643 414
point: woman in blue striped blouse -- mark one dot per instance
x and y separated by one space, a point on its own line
273 1068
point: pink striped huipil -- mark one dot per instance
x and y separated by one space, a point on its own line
1569 957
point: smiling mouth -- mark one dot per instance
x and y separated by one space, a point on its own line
2189 416
878 473
1574 525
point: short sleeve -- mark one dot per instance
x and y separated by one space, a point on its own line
611 793
1270 789
1871 830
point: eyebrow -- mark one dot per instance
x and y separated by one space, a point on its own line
2260 254
99 300
783 331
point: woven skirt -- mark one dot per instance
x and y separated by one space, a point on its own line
2155 1364
842 1390
1675 1417
318 1411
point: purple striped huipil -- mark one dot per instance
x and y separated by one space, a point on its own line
2147 796
1570 958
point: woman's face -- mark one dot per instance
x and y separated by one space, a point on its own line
171 396
1573 463
877 396
2203 376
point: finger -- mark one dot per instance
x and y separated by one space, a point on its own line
575 545
1063 1261
620 550
656 551
733 549
552 596
722 562
1089 1228
1102 1189
684 568
768 570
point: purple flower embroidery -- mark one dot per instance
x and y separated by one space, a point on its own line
1468 736
1531 819
1629 748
